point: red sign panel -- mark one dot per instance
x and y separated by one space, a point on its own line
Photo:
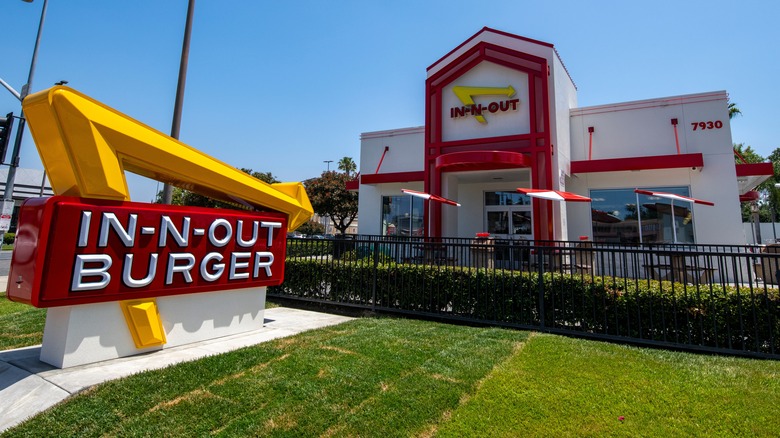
76 251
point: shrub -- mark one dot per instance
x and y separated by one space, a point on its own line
712 316
9 238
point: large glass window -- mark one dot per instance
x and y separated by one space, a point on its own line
616 217
402 216
506 198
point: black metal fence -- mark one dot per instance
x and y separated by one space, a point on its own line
716 298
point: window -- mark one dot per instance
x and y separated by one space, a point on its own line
615 218
402 216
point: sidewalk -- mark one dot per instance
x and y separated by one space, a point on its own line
29 386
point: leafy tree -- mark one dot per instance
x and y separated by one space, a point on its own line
311 227
347 165
192 199
329 197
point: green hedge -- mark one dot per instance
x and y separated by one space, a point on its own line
9 238
308 247
712 316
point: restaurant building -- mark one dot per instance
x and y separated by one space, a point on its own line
501 113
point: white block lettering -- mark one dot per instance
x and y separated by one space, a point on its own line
263 264
228 233
80 271
184 269
110 220
218 267
234 265
127 270
167 226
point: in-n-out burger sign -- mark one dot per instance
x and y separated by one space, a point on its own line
471 108
96 251
89 245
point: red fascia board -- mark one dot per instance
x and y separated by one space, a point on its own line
352 185
749 196
638 163
755 169
379 178
487 29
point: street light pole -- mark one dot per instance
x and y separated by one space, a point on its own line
328 163
176 124
8 192
772 206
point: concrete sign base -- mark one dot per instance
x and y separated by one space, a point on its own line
88 333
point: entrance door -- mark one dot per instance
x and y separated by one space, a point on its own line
508 215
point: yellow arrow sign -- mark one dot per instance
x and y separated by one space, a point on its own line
87 146
466 95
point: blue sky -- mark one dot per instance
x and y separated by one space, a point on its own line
283 86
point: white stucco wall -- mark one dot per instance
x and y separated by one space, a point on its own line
405 153
643 128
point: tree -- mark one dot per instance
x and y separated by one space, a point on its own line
733 110
192 199
329 197
347 164
311 228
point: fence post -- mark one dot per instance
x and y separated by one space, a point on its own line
540 285
375 253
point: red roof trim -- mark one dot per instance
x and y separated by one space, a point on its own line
352 185
749 196
755 169
481 160
638 163
379 178
487 29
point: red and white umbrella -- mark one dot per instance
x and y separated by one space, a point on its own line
672 197
429 197
554 195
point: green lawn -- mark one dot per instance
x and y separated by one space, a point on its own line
21 325
393 377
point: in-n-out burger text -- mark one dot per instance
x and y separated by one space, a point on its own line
79 251
477 109
91 271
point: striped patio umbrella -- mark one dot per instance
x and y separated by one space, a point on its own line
554 195
429 197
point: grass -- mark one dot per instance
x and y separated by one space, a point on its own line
392 377
568 387
369 377
21 325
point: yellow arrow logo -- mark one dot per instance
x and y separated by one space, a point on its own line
86 147
466 95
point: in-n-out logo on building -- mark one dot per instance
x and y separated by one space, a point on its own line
478 111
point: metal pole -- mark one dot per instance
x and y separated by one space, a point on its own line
674 228
639 217
176 124
8 193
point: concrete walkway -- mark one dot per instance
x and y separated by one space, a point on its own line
29 386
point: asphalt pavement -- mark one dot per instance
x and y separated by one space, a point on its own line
5 263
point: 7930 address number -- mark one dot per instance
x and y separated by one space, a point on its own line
701 126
